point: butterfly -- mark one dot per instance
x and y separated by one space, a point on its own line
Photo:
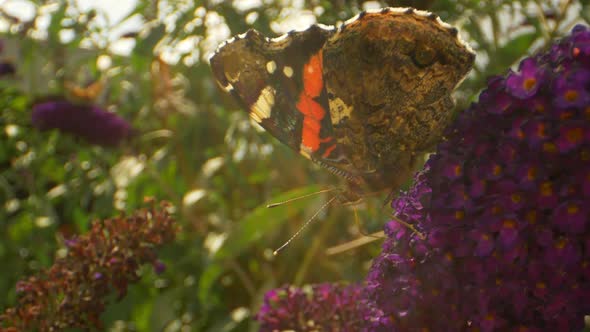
366 100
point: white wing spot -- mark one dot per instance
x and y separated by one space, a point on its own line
305 151
288 71
228 87
271 66
339 110
263 106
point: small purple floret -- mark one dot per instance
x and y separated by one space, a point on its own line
159 267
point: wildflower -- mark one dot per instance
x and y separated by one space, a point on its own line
527 81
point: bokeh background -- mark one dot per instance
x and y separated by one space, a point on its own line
189 144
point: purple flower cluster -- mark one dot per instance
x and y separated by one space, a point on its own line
90 122
502 210
504 205
323 307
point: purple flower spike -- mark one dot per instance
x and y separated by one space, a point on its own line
89 122
513 253
323 307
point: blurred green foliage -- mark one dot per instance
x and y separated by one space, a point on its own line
194 148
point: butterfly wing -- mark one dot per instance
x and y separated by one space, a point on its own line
280 83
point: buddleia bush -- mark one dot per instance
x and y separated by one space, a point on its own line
97 114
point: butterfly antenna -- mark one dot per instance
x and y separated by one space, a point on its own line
300 197
276 252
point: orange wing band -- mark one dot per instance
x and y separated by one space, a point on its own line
313 112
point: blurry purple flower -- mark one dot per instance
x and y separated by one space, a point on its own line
159 267
71 242
323 307
89 122
514 253
7 69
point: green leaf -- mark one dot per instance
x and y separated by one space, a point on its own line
206 282
517 47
